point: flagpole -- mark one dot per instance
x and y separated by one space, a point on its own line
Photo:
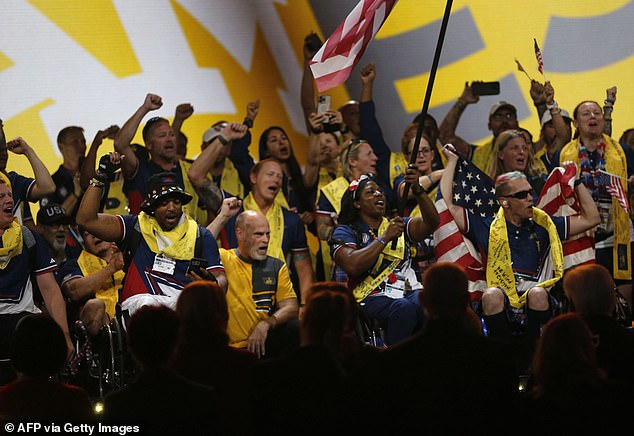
423 113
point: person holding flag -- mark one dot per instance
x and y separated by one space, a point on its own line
595 153
380 274
520 246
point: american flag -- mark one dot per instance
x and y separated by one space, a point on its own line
474 191
558 199
538 56
613 185
332 64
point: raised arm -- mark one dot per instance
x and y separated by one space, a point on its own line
588 217
182 112
129 129
230 207
423 226
562 133
610 99
446 187
448 126
87 170
44 184
200 167
307 92
316 121
104 226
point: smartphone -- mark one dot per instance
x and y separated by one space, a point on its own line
485 88
198 266
313 42
323 104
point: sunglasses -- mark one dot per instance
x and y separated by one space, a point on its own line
353 143
521 194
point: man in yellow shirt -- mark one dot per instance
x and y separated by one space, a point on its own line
261 300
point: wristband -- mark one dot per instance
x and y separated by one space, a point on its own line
578 182
248 122
223 140
609 101
382 241
418 189
96 183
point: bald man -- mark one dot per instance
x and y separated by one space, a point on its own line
260 297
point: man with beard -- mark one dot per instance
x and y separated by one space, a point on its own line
260 298
24 259
52 225
160 244
287 233
160 142
92 281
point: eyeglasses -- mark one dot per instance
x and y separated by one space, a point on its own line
425 150
504 115
521 194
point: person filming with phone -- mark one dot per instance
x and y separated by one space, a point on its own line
160 245
502 116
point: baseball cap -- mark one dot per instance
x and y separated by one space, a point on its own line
52 214
213 131
547 116
502 104
163 185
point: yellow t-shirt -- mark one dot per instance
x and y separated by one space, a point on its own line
254 290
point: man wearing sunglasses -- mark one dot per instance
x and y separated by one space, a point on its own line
521 247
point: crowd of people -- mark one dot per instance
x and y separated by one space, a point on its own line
237 325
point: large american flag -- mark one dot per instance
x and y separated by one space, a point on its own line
613 185
332 64
558 199
474 191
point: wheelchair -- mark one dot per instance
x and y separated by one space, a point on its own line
102 364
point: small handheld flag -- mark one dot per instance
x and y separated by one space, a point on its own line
521 68
540 61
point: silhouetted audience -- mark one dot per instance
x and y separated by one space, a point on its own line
591 292
38 353
204 355
568 393
447 378
308 390
160 401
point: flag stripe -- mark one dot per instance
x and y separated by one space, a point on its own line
348 42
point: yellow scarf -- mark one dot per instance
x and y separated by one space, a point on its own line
325 178
230 180
183 237
334 191
116 191
275 217
500 265
398 166
192 208
482 154
395 257
109 291
11 243
615 163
